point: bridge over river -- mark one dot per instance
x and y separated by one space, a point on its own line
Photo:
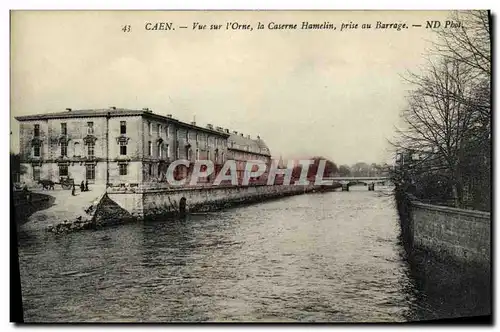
370 181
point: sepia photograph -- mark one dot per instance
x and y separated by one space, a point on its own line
251 166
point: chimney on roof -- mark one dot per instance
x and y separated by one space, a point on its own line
112 107
258 137
219 128
227 131
68 109
209 126
193 123
241 134
235 132
169 116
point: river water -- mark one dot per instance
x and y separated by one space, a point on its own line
326 257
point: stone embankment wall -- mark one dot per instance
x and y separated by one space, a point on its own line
146 203
23 209
462 235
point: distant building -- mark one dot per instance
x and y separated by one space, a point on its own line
242 148
120 146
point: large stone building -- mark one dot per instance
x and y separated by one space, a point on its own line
118 146
242 148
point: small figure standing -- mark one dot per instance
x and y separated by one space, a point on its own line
73 190
86 185
82 186
26 192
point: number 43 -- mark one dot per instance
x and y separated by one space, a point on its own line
126 28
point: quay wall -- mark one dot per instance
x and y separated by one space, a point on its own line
463 235
445 234
449 252
149 203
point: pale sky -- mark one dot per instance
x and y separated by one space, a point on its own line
305 92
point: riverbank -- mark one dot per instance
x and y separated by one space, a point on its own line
152 203
448 251
23 208
111 206
65 209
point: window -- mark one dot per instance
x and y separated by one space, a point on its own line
90 128
64 149
209 154
63 170
168 131
90 171
64 129
123 148
123 169
90 150
36 173
197 138
189 153
76 149
36 151
36 130
159 129
150 172
123 127
150 128
197 154
168 151
150 148
160 150
177 152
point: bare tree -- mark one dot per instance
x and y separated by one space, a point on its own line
436 121
470 45
447 122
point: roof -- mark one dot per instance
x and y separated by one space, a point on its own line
82 114
261 143
113 112
239 142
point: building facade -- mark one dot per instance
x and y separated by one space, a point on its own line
118 146
243 148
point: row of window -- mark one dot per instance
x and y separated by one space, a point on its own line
64 129
64 149
123 150
180 134
211 141
245 156
248 148
89 171
189 152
